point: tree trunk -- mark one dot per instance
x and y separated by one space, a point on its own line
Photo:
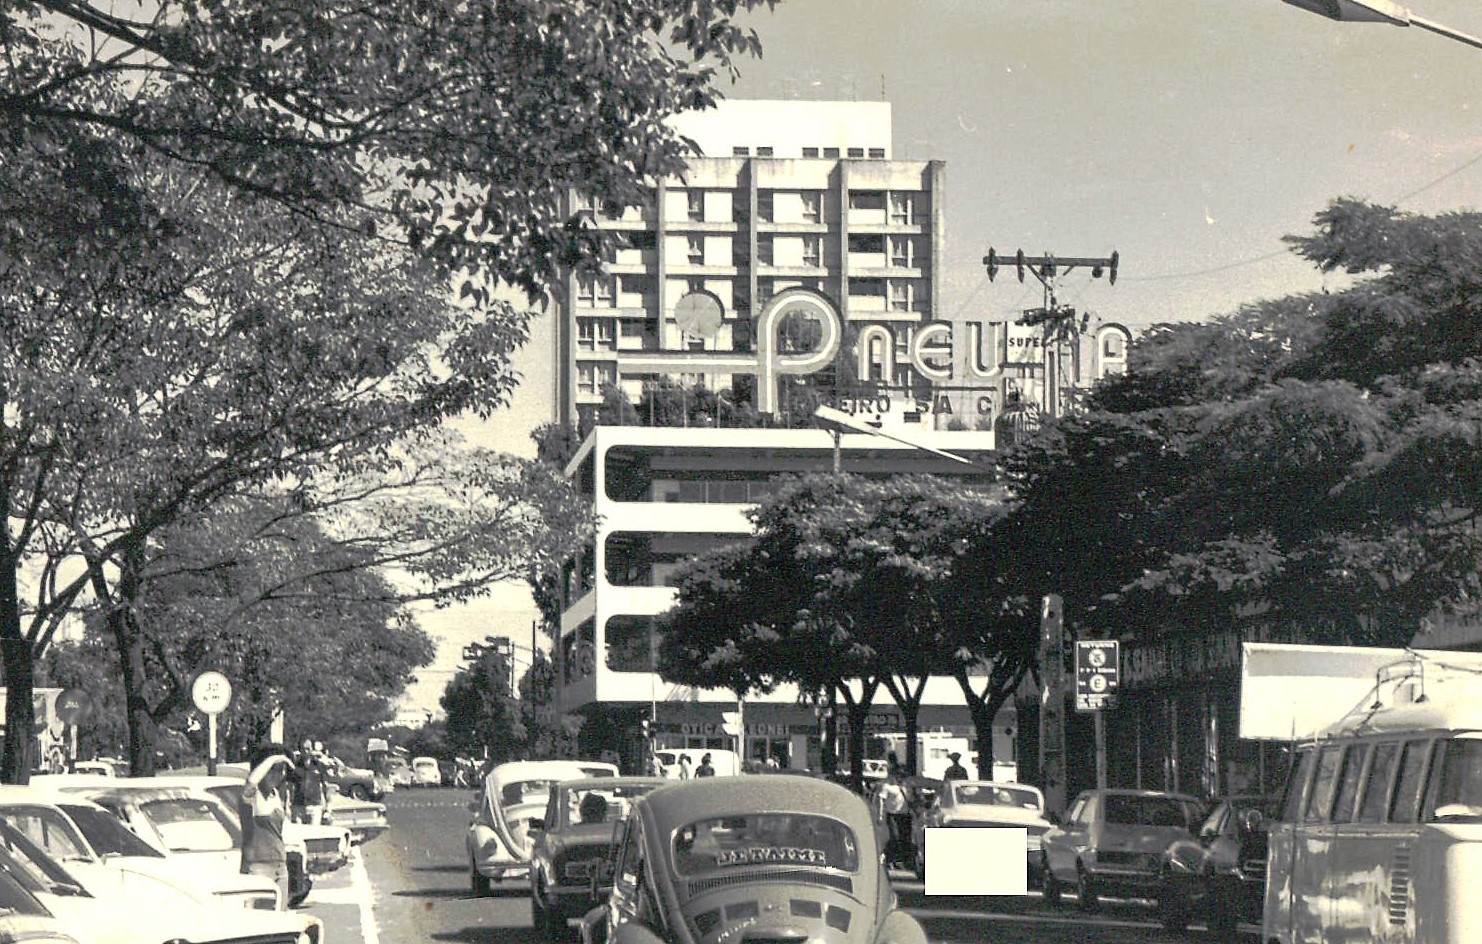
130 643
1003 681
858 710
17 758
908 697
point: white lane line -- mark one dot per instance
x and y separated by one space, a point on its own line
363 896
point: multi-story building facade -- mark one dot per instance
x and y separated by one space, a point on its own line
797 209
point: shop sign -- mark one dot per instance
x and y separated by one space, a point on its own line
1182 658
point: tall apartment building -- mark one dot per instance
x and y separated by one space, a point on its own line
788 194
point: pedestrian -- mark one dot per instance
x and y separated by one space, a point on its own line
706 769
956 771
684 766
891 800
312 790
262 814
655 764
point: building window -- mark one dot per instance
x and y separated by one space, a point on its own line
585 291
903 208
856 152
812 206
764 206
694 285
810 152
695 250
901 252
640 239
586 378
866 243
830 152
763 152
764 250
595 334
604 291
586 331
635 283
901 296
867 288
740 151
877 153
765 289
812 250
697 205
866 200
1111 346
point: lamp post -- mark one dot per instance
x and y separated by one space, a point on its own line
1381 11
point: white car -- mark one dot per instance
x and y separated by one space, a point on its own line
119 907
426 773
510 803
95 844
984 804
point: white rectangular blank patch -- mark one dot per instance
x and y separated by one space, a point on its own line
990 860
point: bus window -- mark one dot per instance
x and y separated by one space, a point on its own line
1296 787
1376 791
1460 792
1348 782
1320 796
1406 804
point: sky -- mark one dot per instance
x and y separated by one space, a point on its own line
1189 136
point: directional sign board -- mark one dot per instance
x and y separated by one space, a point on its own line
211 692
1097 674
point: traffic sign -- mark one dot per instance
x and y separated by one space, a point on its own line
73 705
1097 674
211 692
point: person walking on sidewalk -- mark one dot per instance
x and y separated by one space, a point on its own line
263 814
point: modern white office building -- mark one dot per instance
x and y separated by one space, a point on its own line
796 215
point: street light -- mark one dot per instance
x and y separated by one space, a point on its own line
1381 11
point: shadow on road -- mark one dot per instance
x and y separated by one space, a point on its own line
456 867
445 893
490 935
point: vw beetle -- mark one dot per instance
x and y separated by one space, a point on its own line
509 808
760 860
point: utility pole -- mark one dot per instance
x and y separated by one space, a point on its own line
1060 322
1052 703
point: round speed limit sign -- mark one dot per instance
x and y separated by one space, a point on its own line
211 692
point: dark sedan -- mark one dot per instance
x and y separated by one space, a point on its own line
569 867
1219 875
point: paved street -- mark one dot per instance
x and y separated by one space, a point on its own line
411 886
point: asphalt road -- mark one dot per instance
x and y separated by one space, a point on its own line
410 886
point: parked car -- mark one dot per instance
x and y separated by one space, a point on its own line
1219 876
1114 841
399 771
326 845
426 772
983 803
23 917
191 822
569 867
510 803
360 783
98 768
365 819
143 909
91 840
783 858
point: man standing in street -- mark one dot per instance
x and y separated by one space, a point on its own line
312 787
956 771
262 815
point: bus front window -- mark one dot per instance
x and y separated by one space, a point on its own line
1460 793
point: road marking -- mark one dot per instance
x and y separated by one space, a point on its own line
363 896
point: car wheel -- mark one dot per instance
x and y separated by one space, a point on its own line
478 882
1051 886
1085 890
359 792
1173 905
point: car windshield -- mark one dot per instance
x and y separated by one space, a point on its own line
600 804
34 868
107 835
192 824
980 794
789 839
1148 811
525 791
48 828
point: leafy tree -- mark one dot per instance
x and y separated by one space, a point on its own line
548 733
485 719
